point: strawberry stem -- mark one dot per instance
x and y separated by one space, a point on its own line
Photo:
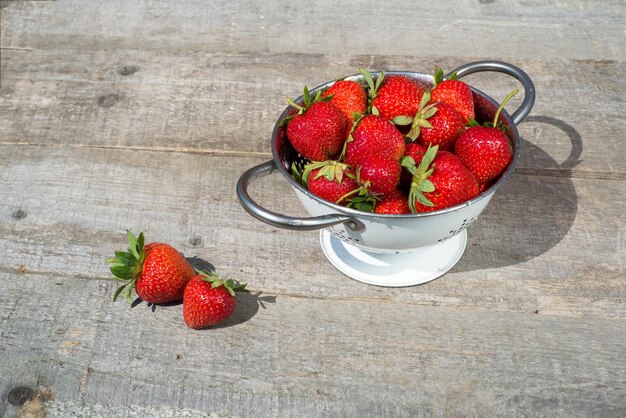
506 99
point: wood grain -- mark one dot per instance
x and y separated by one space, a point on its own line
307 356
144 114
207 102
470 28
524 252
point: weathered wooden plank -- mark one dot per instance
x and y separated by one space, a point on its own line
64 210
216 102
469 28
308 356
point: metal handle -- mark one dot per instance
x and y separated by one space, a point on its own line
282 221
512 70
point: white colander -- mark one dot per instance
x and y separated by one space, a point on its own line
389 250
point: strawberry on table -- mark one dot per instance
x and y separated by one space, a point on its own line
318 130
209 300
349 96
157 271
454 92
485 150
439 181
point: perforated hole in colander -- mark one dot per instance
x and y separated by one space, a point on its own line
466 222
342 234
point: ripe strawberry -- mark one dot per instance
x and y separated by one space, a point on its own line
485 150
379 174
331 180
397 96
349 96
436 123
318 130
208 300
395 202
440 181
157 272
454 92
373 135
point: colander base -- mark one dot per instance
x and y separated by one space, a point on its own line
393 269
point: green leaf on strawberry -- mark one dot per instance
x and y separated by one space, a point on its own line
420 183
231 285
126 265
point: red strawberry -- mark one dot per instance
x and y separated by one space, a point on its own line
318 130
485 150
454 92
349 96
331 180
208 300
398 96
379 174
157 272
394 203
373 135
440 181
437 123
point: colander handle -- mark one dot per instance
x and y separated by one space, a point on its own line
282 221
512 70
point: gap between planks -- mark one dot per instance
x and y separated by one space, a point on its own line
529 171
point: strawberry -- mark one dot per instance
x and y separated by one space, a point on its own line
208 300
454 92
436 123
318 130
331 180
349 96
485 150
371 135
440 181
394 203
397 96
379 174
157 271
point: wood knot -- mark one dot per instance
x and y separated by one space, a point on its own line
108 100
127 69
18 214
19 395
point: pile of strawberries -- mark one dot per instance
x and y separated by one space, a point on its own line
160 274
396 145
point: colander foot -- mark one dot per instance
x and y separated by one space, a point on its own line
405 268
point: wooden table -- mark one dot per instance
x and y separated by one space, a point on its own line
117 114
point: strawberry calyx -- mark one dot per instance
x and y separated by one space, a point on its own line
307 101
230 285
372 88
420 183
364 200
331 169
425 111
439 76
126 265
